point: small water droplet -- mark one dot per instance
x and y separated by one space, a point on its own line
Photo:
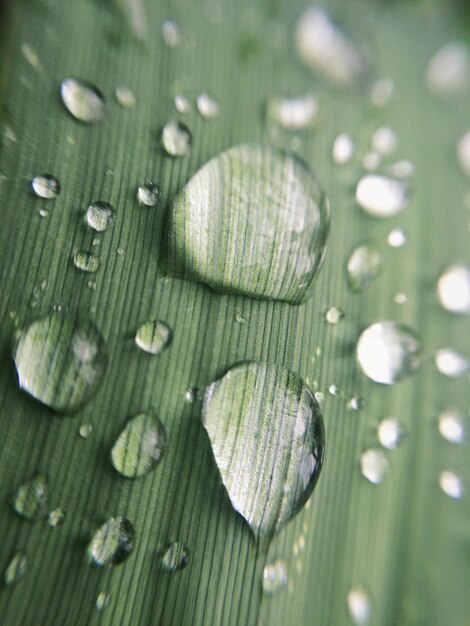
85 430
359 606
207 106
192 394
120 251
86 261
344 149
176 139
334 315
388 352
382 92
56 517
153 336
112 542
139 447
43 212
391 433
463 152
451 363
396 238
356 403
31 498
102 601
364 265
274 577
46 186
451 426
148 194
384 141
82 100
451 484
100 216
60 361
125 97
453 288
15 569
371 160
381 196
334 390
448 70
293 113
319 397
182 104
374 465
175 557
171 33
400 298
402 169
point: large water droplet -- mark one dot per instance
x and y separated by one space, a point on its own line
207 106
388 352
451 426
364 265
15 569
252 221
453 288
148 194
451 363
112 543
451 484
374 465
274 577
100 216
60 361
86 261
293 113
176 139
448 70
381 196
46 186
175 557
82 100
391 433
359 606
153 336
139 447
325 48
463 152
31 498
244 413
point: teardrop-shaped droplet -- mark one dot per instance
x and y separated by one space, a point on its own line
86 261
274 577
293 113
381 196
388 352
100 216
453 288
267 436
148 193
82 100
175 557
46 186
252 220
60 361
374 465
31 498
176 139
15 569
139 447
153 336
112 543
364 265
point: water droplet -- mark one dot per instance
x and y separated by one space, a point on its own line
400 298
463 152
139 447
112 543
60 361
85 430
192 394
176 139
102 601
334 315
364 265
344 149
86 261
451 363
171 33
82 100
356 403
125 97
255 403
268 242
333 390
388 352
402 169
381 196
391 433
100 216
239 318
30 55
153 336
382 92
453 288
371 160
56 517
274 577
31 498
451 426
374 465
359 606
46 186
15 569
120 251
396 238
43 212
384 141
451 484
319 397
175 557
182 104
207 106
293 113
325 48
148 193
448 70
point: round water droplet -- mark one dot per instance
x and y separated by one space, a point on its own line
396 238
86 261
56 517
319 397
463 152
85 430
82 100
102 601
451 363
451 484
364 265
207 106
381 196
31 498
293 113
400 298
171 33
374 465
384 141
43 212
391 433
334 315
382 92
60 361
388 352
139 447
176 139
182 104
46 186
359 606
448 70
356 403
125 97
451 426
15 569
112 543
100 216
274 577
402 169
148 194
333 390
268 242
453 288
153 336
252 405
175 557
371 160
343 149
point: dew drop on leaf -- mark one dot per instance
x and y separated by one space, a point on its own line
153 336
100 216
451 484
31 498
86 261
344 149
391 433
274 577
384 141
364 265
451 363
112 543
139 447
374 465
82 100
293 113
207 106
359 606
334 315
15 569
125 97
381 196
102 601
453 288
85 430
396 238
148 193
175 557
46 186
176 139
55 517
448 71
451 426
